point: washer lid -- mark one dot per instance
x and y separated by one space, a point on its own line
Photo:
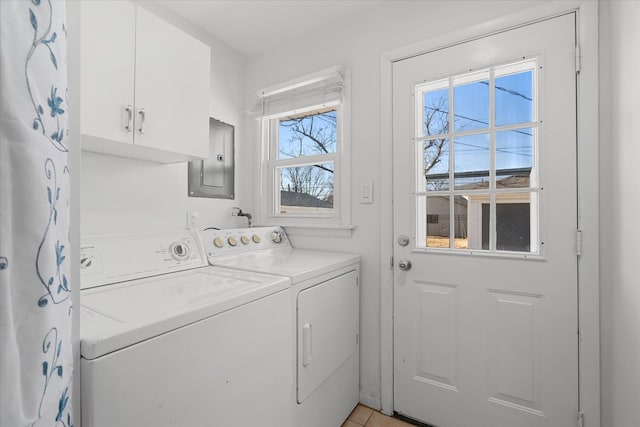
117 316
298 264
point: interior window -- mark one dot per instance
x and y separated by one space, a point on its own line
305 165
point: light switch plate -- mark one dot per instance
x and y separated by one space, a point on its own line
366 193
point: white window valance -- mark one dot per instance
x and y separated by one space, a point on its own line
321 89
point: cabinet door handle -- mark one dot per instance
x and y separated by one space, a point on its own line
129 110
141 112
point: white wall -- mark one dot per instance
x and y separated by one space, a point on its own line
358 44
124 195
620 200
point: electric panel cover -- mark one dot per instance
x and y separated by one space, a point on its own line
214 176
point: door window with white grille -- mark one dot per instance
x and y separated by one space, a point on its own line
476 144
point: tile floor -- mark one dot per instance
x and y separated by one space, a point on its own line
365 416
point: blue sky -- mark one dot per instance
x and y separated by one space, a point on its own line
290 148
513 104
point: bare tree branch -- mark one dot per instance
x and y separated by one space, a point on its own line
309 135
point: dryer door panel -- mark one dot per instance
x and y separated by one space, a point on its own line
327 326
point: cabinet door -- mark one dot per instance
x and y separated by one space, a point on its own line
172 86
107 69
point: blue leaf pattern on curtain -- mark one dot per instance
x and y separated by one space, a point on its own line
36 357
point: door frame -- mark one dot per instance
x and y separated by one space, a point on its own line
588 189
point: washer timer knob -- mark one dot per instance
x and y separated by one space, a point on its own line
276 237
85 262
179 251
218 242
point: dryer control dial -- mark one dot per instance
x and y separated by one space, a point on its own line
276 237
179 251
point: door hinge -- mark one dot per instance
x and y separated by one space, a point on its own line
578 242
580 419
391 262
578 59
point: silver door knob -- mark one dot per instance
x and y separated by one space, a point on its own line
404 264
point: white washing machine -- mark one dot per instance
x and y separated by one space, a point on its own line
325 301
167 340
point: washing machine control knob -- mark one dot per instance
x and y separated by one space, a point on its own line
179 251
85 262
255 238
276 237
244 240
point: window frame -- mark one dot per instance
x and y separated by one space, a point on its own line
268 198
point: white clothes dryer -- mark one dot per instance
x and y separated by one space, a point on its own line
325 302
167 340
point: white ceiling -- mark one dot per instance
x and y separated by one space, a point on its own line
253 26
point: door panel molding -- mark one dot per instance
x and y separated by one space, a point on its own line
438 305
513 319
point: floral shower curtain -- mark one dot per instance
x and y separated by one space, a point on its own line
36 360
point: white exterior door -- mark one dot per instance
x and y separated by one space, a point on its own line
485 211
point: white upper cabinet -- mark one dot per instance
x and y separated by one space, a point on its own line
108 53
144 85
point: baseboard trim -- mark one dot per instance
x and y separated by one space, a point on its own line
371 401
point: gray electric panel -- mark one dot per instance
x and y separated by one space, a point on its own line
214 177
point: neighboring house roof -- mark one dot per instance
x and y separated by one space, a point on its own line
513 178
291 198
512 181
461 200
